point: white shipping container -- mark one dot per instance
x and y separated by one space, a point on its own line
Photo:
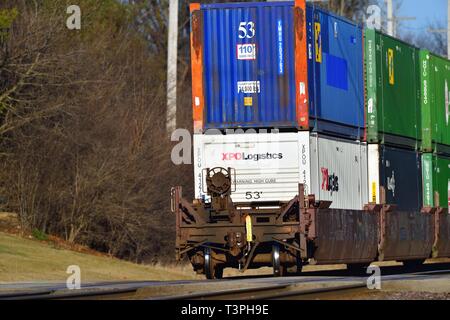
269 166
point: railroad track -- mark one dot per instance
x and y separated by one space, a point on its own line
264 293
286 288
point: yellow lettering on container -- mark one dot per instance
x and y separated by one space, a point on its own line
391 65
318 42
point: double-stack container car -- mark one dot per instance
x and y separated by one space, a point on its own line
358 170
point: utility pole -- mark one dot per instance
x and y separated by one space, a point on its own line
444 30
392 19
172 54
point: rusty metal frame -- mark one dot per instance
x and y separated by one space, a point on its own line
191 227
395 245
438 212
292 224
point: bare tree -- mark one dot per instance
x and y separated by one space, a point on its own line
434 41
84 154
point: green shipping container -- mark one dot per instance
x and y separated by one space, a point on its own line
435 180
392 90
434 92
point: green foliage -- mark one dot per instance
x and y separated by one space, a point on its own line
39 235
7 17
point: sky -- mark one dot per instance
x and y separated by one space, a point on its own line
425 12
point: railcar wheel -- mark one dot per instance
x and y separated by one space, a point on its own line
299 265
278 269
218 272
212 271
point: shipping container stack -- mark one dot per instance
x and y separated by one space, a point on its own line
393 121
435 114
285 65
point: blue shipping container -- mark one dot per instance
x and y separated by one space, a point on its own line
335 70
249 68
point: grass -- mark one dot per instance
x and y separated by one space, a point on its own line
26 260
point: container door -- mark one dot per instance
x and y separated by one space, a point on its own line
401 177
249 65
338 172
400 80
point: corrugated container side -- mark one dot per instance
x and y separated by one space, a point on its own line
435 180
398 171
339 171
257 179
269 166
336 69
393 93
435 81
255 71
249 65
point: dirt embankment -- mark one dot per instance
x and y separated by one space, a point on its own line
23 258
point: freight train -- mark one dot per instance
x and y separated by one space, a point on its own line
316 141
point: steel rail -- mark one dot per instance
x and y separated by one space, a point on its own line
315 291
24 294
73 294
255 293
224 293
93 291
